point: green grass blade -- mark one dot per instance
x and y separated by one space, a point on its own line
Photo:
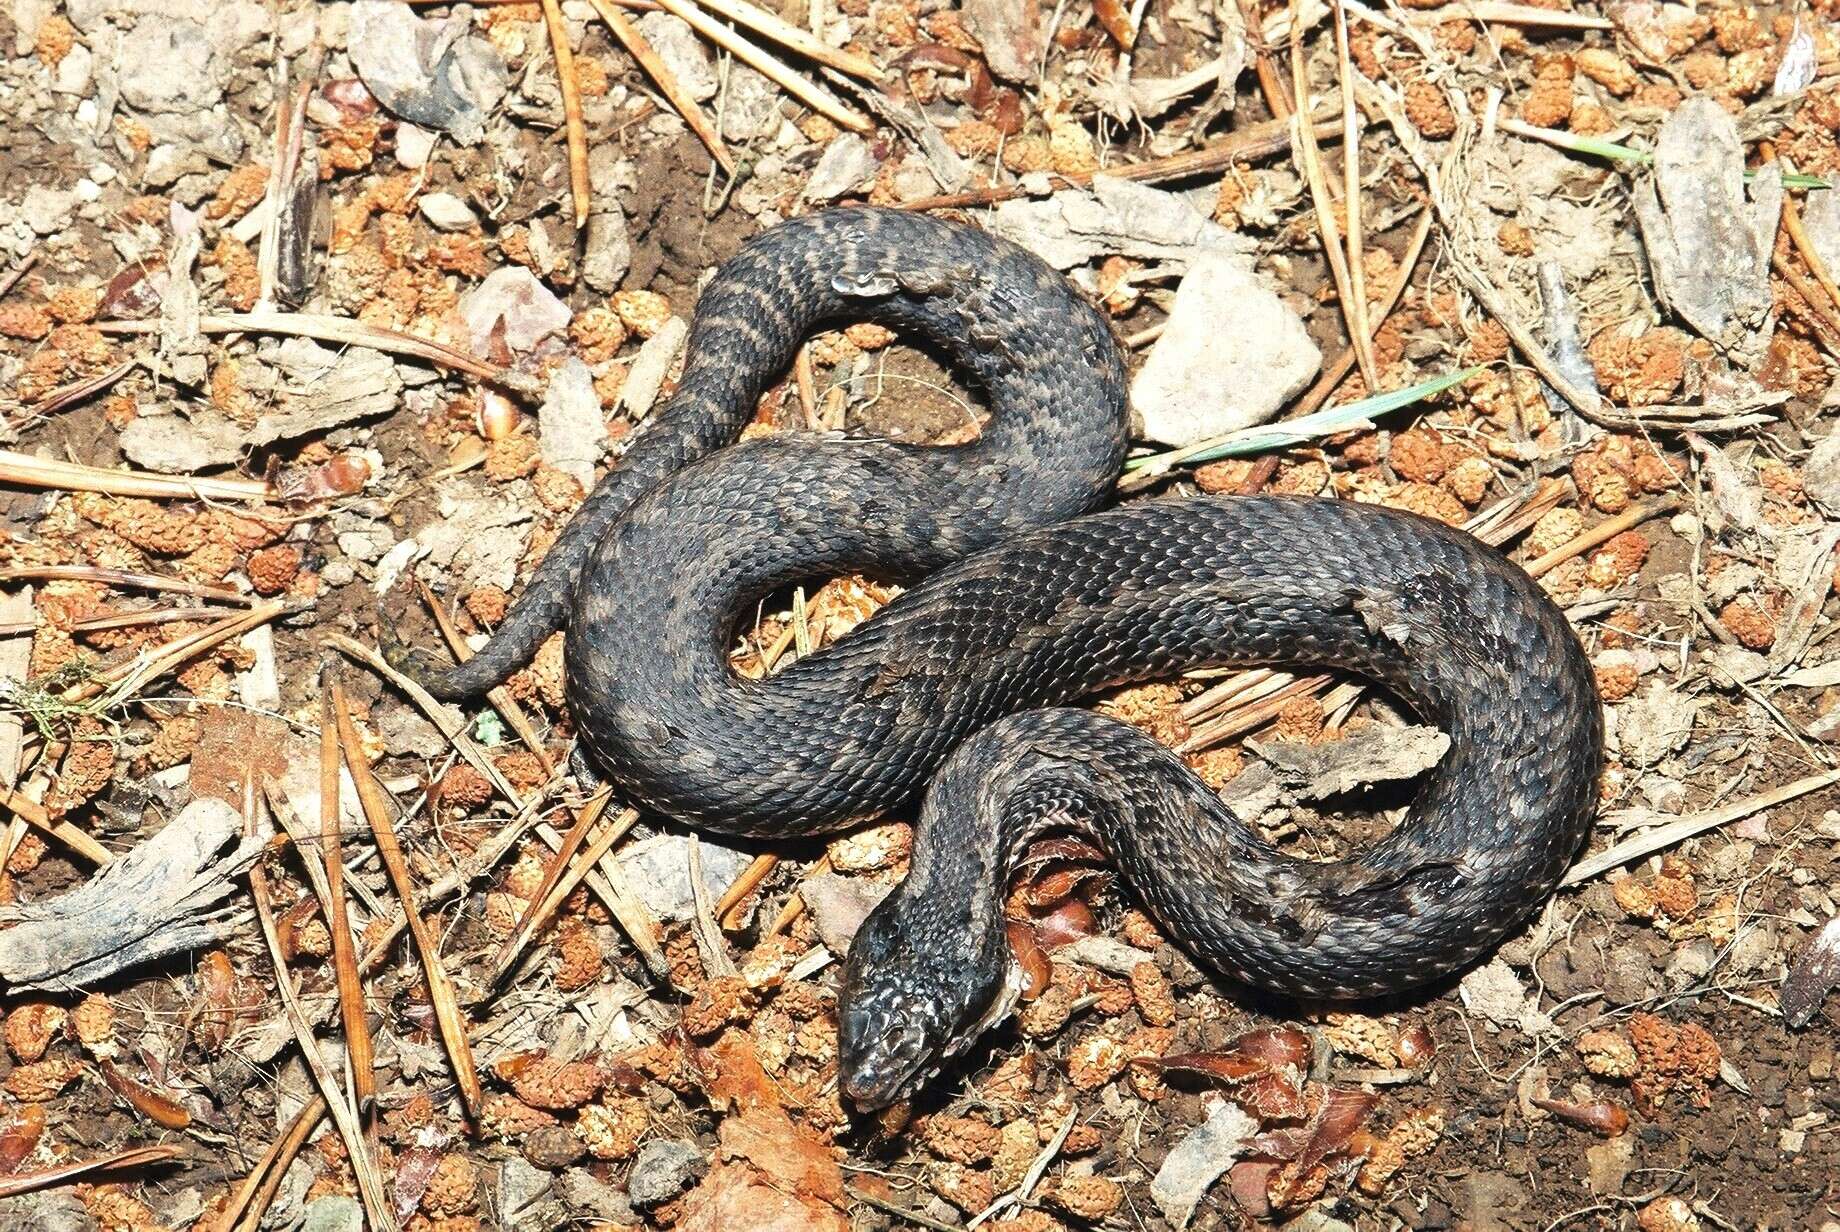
1322 423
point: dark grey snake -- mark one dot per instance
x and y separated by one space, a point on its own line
1029 600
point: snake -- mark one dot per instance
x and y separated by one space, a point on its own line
1024 592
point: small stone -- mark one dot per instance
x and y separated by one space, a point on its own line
846 164
1191 388
519 1188
513 305
663 1169
332 1213
607 255
446 212
414 145
419 70
750 110
839 905
682 52
571 432
167 66
47 210
1014 36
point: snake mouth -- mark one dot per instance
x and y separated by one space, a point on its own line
896 1065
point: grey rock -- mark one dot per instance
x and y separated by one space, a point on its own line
1317 1220
1821 472
1118 217
481 536
847 163
446 212
520 1188
364 545
1689 964
750 109
230 25
311 388
73 73
1755 949
607 254
1492 1201
1709 240
1608 1163
1629 975
645 375
414 145
47 210
658 870
169 65
437 74
406 733
48 1210
663 1169
1653 724
1192 388
175 445
529 310
571 434
1198 1160
28 16
839 905
682 51
1371 755
1012 34
1821 220
167 163
333 1213
595 1198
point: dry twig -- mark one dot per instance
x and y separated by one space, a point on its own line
576 127
64 1174
441 996
31 472
358 1044
357 1145
1255 141
345 332
668 85
807 92
1309 162
250 1201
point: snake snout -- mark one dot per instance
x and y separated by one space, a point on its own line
894 1016
880 1062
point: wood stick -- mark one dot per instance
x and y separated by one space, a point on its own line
441 995
1361 331
24 469
813 96
772 26
668 85
340 330
358 1042
1309 158
575 127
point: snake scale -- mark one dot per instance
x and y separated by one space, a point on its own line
1022 598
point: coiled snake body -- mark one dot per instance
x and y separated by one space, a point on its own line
1026 603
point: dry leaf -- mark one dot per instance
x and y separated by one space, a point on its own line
795 1158
732 1198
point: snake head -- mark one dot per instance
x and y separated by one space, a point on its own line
916 992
